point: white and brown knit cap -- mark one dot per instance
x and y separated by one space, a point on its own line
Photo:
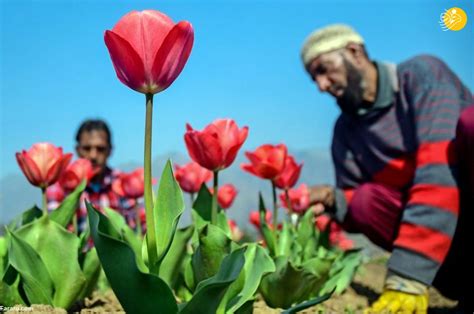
329 38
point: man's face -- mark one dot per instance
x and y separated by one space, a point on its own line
94 146
335 74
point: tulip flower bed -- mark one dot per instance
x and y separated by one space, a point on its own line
202 268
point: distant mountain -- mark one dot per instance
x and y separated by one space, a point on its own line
16 194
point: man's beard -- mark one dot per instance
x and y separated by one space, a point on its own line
352 99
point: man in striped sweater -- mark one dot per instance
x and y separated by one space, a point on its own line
403 150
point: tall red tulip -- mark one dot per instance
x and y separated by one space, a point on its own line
130 185
290 174
215 147
298 199
79 170
43 164
226 195
191 176
267 161
148 50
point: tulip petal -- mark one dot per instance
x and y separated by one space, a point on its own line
145 31
127 63
204 149
56 169
189 127
172 55
249 168
228 133
44 156
232 152
29 168
254 159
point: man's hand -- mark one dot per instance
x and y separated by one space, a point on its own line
322 197
401 295
392 301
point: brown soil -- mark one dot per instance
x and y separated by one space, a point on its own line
364 290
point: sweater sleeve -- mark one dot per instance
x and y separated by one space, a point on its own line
429 220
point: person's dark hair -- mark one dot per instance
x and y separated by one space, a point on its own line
94 125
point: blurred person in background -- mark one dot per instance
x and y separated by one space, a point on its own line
93 144
403 151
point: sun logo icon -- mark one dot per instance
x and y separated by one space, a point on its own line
453 19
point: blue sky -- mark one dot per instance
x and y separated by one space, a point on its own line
55 70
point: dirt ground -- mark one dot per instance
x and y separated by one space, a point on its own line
365 289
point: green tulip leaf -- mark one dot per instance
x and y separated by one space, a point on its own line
127 235
306 228
58 249
169 206
25 217
137 292
173 262
285 239
257 264
214 245
287 285
203 203
209 292
64 213
35 278
343 271
91 270
9 295
267 233
189 274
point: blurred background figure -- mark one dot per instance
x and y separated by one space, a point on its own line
104 184
402 133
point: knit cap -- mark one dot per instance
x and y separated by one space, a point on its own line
328 38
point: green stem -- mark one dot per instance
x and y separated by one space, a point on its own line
138 222
45 202
214 198
150 220
275 208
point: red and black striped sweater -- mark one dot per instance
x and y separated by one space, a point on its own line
405 141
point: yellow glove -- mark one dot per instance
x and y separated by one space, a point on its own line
392 301
401 295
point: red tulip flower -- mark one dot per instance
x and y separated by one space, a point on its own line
149 50
191 176
290 174
43 164
226 195
75 173
299 199
215 147
130 185
267 161
254 218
